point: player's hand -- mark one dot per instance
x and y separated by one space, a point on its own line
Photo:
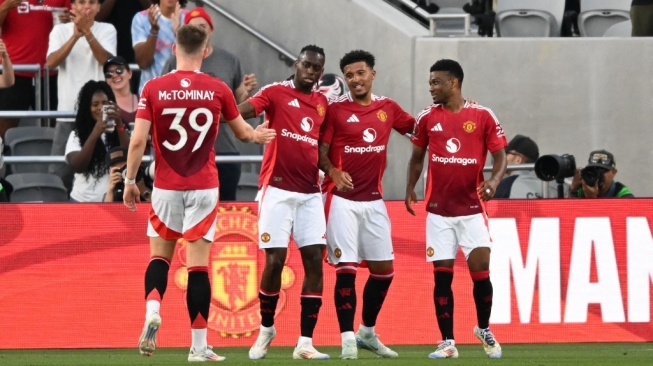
249 83
487 189
131 196
10 4
342 180
263 134
411 198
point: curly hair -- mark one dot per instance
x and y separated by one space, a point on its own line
181 2
357 56
85 123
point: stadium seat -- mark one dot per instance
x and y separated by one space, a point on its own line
37 187
526 23
247 186
529 18
594 23
623 29
30 141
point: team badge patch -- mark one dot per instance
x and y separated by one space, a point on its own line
430 251
469 126
320 110
337 252
382 116
265 237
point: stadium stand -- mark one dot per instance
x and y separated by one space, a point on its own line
30 141
37 187
622 29
596 16
529 18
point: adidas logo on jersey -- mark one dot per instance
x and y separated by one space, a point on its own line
353 118
294 103
437 128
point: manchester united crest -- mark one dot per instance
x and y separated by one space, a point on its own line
382 116
430 251
233 266
337 252
320 110
469 126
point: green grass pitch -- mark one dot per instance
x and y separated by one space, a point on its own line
595 354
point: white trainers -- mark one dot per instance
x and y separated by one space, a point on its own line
308 353
147 342
446 349
260 348
490 345
205 354
349 350
370 341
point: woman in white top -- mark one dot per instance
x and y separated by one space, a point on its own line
93 135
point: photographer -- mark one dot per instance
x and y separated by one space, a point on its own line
596 180
117 162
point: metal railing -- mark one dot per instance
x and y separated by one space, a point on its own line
433 18
27 159
36 69
284 55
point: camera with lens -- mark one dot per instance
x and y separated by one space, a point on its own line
120 186
555 167
593 174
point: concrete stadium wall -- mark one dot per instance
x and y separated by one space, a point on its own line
570 95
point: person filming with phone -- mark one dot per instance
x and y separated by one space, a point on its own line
596 180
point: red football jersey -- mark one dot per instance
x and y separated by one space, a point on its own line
290 160
184 108
359 136
457 148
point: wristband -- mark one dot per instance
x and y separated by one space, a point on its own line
155 35
129 181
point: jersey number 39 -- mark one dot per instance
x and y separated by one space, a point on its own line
192 121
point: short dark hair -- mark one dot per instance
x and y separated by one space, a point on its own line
313 48
356 56
181 2
451 67
191 38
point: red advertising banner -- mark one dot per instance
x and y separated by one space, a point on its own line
71 276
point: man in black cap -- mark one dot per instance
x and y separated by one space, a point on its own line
596 180
116 161
521 183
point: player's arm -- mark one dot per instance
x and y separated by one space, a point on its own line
487 188
341 179
415 166
246 133
246 110
137 145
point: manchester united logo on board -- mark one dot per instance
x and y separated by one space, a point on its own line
320 110
382 116
234 310
430 251
469 126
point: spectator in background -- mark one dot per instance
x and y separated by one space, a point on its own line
7 79
596 180
641 14
153 34
118 75
90 140
520 183
117 161
226 67
79 49
25 34
120 13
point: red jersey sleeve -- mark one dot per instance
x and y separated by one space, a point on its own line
229 107
144 110
420 136
327 130
403 122
495 138
261 100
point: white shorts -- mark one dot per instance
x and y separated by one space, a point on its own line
445 234
282 213
357 231
191 215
